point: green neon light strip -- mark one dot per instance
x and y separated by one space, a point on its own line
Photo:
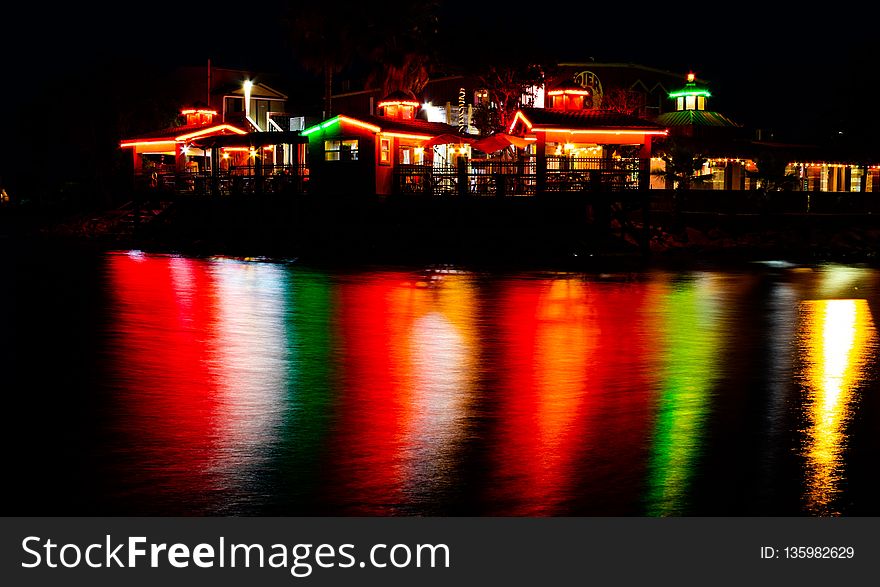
694 92
322 125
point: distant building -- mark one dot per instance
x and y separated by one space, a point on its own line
630 88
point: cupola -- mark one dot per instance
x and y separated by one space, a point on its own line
198 116
690 97
569 96
399 105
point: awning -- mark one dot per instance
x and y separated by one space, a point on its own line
449 139
499 141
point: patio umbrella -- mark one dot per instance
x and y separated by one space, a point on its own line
448 139
499 141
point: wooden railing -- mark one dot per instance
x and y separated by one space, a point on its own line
235 180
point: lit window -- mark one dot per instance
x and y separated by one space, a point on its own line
341 150
385 151
679 103
690 102
701 103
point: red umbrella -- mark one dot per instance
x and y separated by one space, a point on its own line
499 141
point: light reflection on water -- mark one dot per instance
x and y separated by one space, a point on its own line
261 388
688 360
838 336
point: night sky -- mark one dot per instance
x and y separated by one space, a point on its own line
801 55
790 68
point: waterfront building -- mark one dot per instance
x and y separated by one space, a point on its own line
578 147
589 126
391 152
248 143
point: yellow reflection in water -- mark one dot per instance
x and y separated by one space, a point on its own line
837 335
442 361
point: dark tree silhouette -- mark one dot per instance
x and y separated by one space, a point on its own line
771 175
325 38
402 42
506 85
681 162
392 45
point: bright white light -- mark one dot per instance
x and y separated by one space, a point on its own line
248 84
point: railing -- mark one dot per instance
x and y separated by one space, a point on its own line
570 174
235 180
488 177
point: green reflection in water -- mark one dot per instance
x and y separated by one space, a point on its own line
309 395
689 344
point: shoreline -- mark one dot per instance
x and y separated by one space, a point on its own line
558 235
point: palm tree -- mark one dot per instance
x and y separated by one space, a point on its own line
325 38
401 42
393 45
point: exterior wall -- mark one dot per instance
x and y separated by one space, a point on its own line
342 177
385 170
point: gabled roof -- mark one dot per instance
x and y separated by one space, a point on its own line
251 139
416 125
183 133
695 118
168 132
550 118
381 124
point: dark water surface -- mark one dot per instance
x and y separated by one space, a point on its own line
167 385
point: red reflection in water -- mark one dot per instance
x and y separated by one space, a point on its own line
405 392
543 352
567 428
623 382
166 391
368 467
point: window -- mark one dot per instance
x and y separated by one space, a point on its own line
679 103
690 102
344 150
701 103
385 151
